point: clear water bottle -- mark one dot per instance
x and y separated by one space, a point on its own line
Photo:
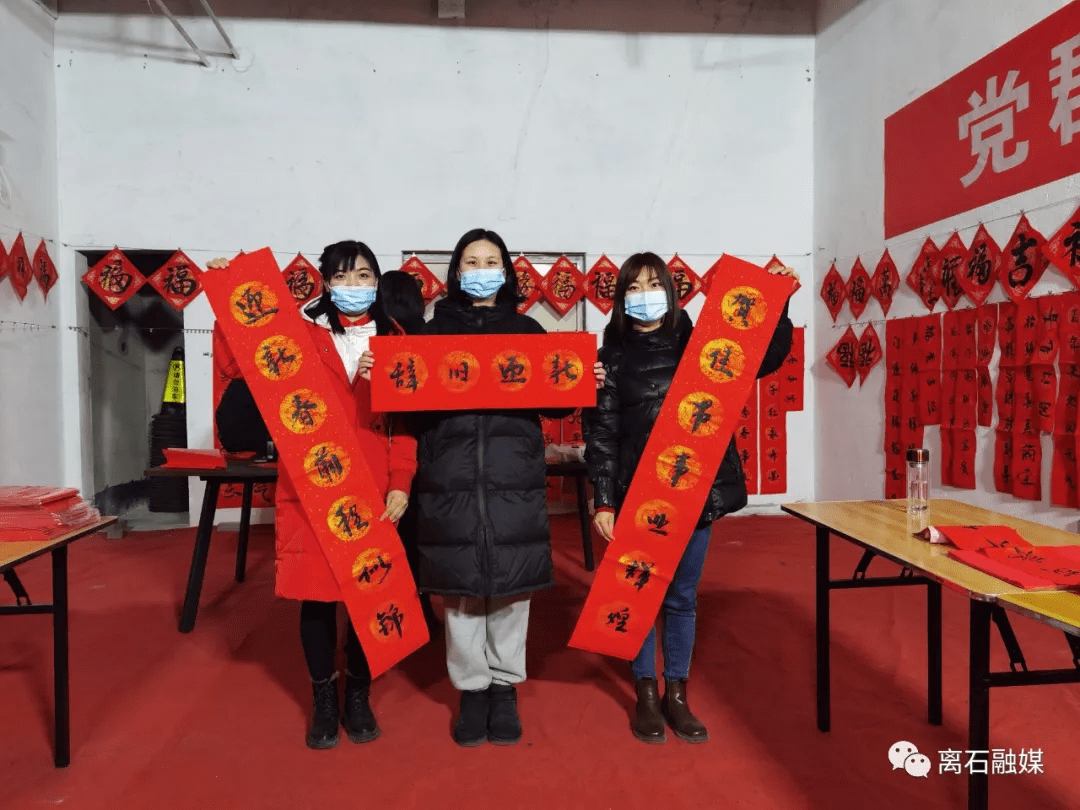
918 480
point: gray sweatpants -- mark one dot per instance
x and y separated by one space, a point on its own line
485 640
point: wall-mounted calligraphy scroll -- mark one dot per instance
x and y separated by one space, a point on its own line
483 372
702 408
270 340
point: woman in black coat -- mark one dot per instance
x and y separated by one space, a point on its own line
483 532
643 344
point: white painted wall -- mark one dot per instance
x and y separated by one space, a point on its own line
408 136
869 63
31 436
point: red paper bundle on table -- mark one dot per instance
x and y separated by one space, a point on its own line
530 283
885 281
925 275
1023 261
858 288
869 354
772 436
430 286
275 350
37 514
981 267
563 286
687 283
177 281
833 291
842 357
1063 249
20 269
113 279
685 448
600 284
746 441
303 280
951 261
44 269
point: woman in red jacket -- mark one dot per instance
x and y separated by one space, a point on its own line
341 323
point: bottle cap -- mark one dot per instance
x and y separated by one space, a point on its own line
918 454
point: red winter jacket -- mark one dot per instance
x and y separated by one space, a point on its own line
302 570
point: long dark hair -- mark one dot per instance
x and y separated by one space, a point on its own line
621 325
402 299
343 255
508 296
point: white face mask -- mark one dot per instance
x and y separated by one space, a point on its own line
648 306
483 283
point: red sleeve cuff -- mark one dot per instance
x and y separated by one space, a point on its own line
600 509
402 480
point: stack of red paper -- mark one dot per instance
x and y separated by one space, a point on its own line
1001 552
41 513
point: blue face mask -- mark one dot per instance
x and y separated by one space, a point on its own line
647 306
481 284
352 300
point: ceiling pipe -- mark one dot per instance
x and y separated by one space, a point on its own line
217 24
202 57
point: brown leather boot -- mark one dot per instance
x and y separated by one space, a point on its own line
678 714
648 723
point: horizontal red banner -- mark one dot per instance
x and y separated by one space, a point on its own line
481 372
1003 125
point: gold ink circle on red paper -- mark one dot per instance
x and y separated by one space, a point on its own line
630 567
372 568
459 371
722 360
700 414
253 304
327 464
349 518
680 465
744 307
563 370
278 357
303 411
407 372
511 370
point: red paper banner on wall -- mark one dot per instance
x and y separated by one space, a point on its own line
564 285
687 283
529 283
44 269
430 286
885 281
113 279
20 270
478 372
773 437
746 440
684 450
303 279
600 284
270 341
177 280
1003 125
1023 261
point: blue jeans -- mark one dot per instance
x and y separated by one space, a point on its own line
678 614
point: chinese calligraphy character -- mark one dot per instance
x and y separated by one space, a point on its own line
1021 271
701 414
350 521
719 359
368 571
390 620
1064 81
274 361
639 572
179 281
251 306
563 284
994 116
459 373
405 377
300 284
302 411
744 305
604 285
657 523
113 278
619 618
512 371
327 464
567 368
679 468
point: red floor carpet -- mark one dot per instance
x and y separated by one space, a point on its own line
216 718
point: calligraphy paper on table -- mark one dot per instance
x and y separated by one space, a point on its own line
951 261
975 538
1051 563
885 281
430 285
746 441
842 357
981 267
600 284
113 279
833 291
684 450
483 372
858 288
925 275
1002 571
44 269
20 269
563 286
277 356
177 281
1023 261
687 283
1063 249
304 280
869 354
530 283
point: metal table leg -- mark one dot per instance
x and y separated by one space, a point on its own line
198 558
245 525
60 656
821 578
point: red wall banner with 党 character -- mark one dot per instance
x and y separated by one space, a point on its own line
478 372
1005 124
267 335
702 408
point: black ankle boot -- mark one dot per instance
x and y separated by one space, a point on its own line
324 721
471 727
359 720
503 725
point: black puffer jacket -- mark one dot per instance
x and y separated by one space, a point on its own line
639 372
482 498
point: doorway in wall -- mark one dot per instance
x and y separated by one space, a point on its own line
129 352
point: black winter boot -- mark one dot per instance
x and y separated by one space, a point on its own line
471 727
359 720
324 721
503 725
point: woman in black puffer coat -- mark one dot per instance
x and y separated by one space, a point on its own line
482 527
643 345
